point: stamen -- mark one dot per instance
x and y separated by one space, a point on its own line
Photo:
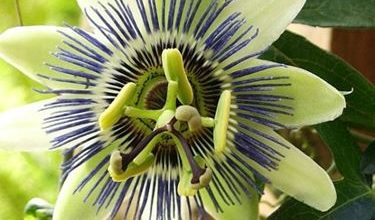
170 105
114 111
221 121
134 112
184 187
174 70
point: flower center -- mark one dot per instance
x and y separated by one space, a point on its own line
169 120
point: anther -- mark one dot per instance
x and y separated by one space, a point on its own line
222 121
204 180
115 110
115 167
174 70
170 103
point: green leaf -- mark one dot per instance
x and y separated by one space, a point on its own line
295 50
368 160
338 13
344 149
355 200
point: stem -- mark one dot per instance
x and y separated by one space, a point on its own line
361 137
208 122
18 12
142 113
170 103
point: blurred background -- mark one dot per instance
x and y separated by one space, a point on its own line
27 175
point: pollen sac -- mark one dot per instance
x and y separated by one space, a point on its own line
117 172
114 112
204 178
174 70
115 167
222 121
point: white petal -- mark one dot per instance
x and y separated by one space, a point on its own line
311 99
247 209
297 174
300 177
70 205
21 128
30 48
271 17
104 20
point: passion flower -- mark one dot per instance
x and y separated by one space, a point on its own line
166 107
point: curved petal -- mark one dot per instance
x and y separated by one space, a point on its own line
271 17
21 128
198 19
30 49
285 95
70 205
300 177
296 174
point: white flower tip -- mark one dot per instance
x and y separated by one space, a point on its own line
326 199
340 105
322 194
330 201
347 92
300 177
